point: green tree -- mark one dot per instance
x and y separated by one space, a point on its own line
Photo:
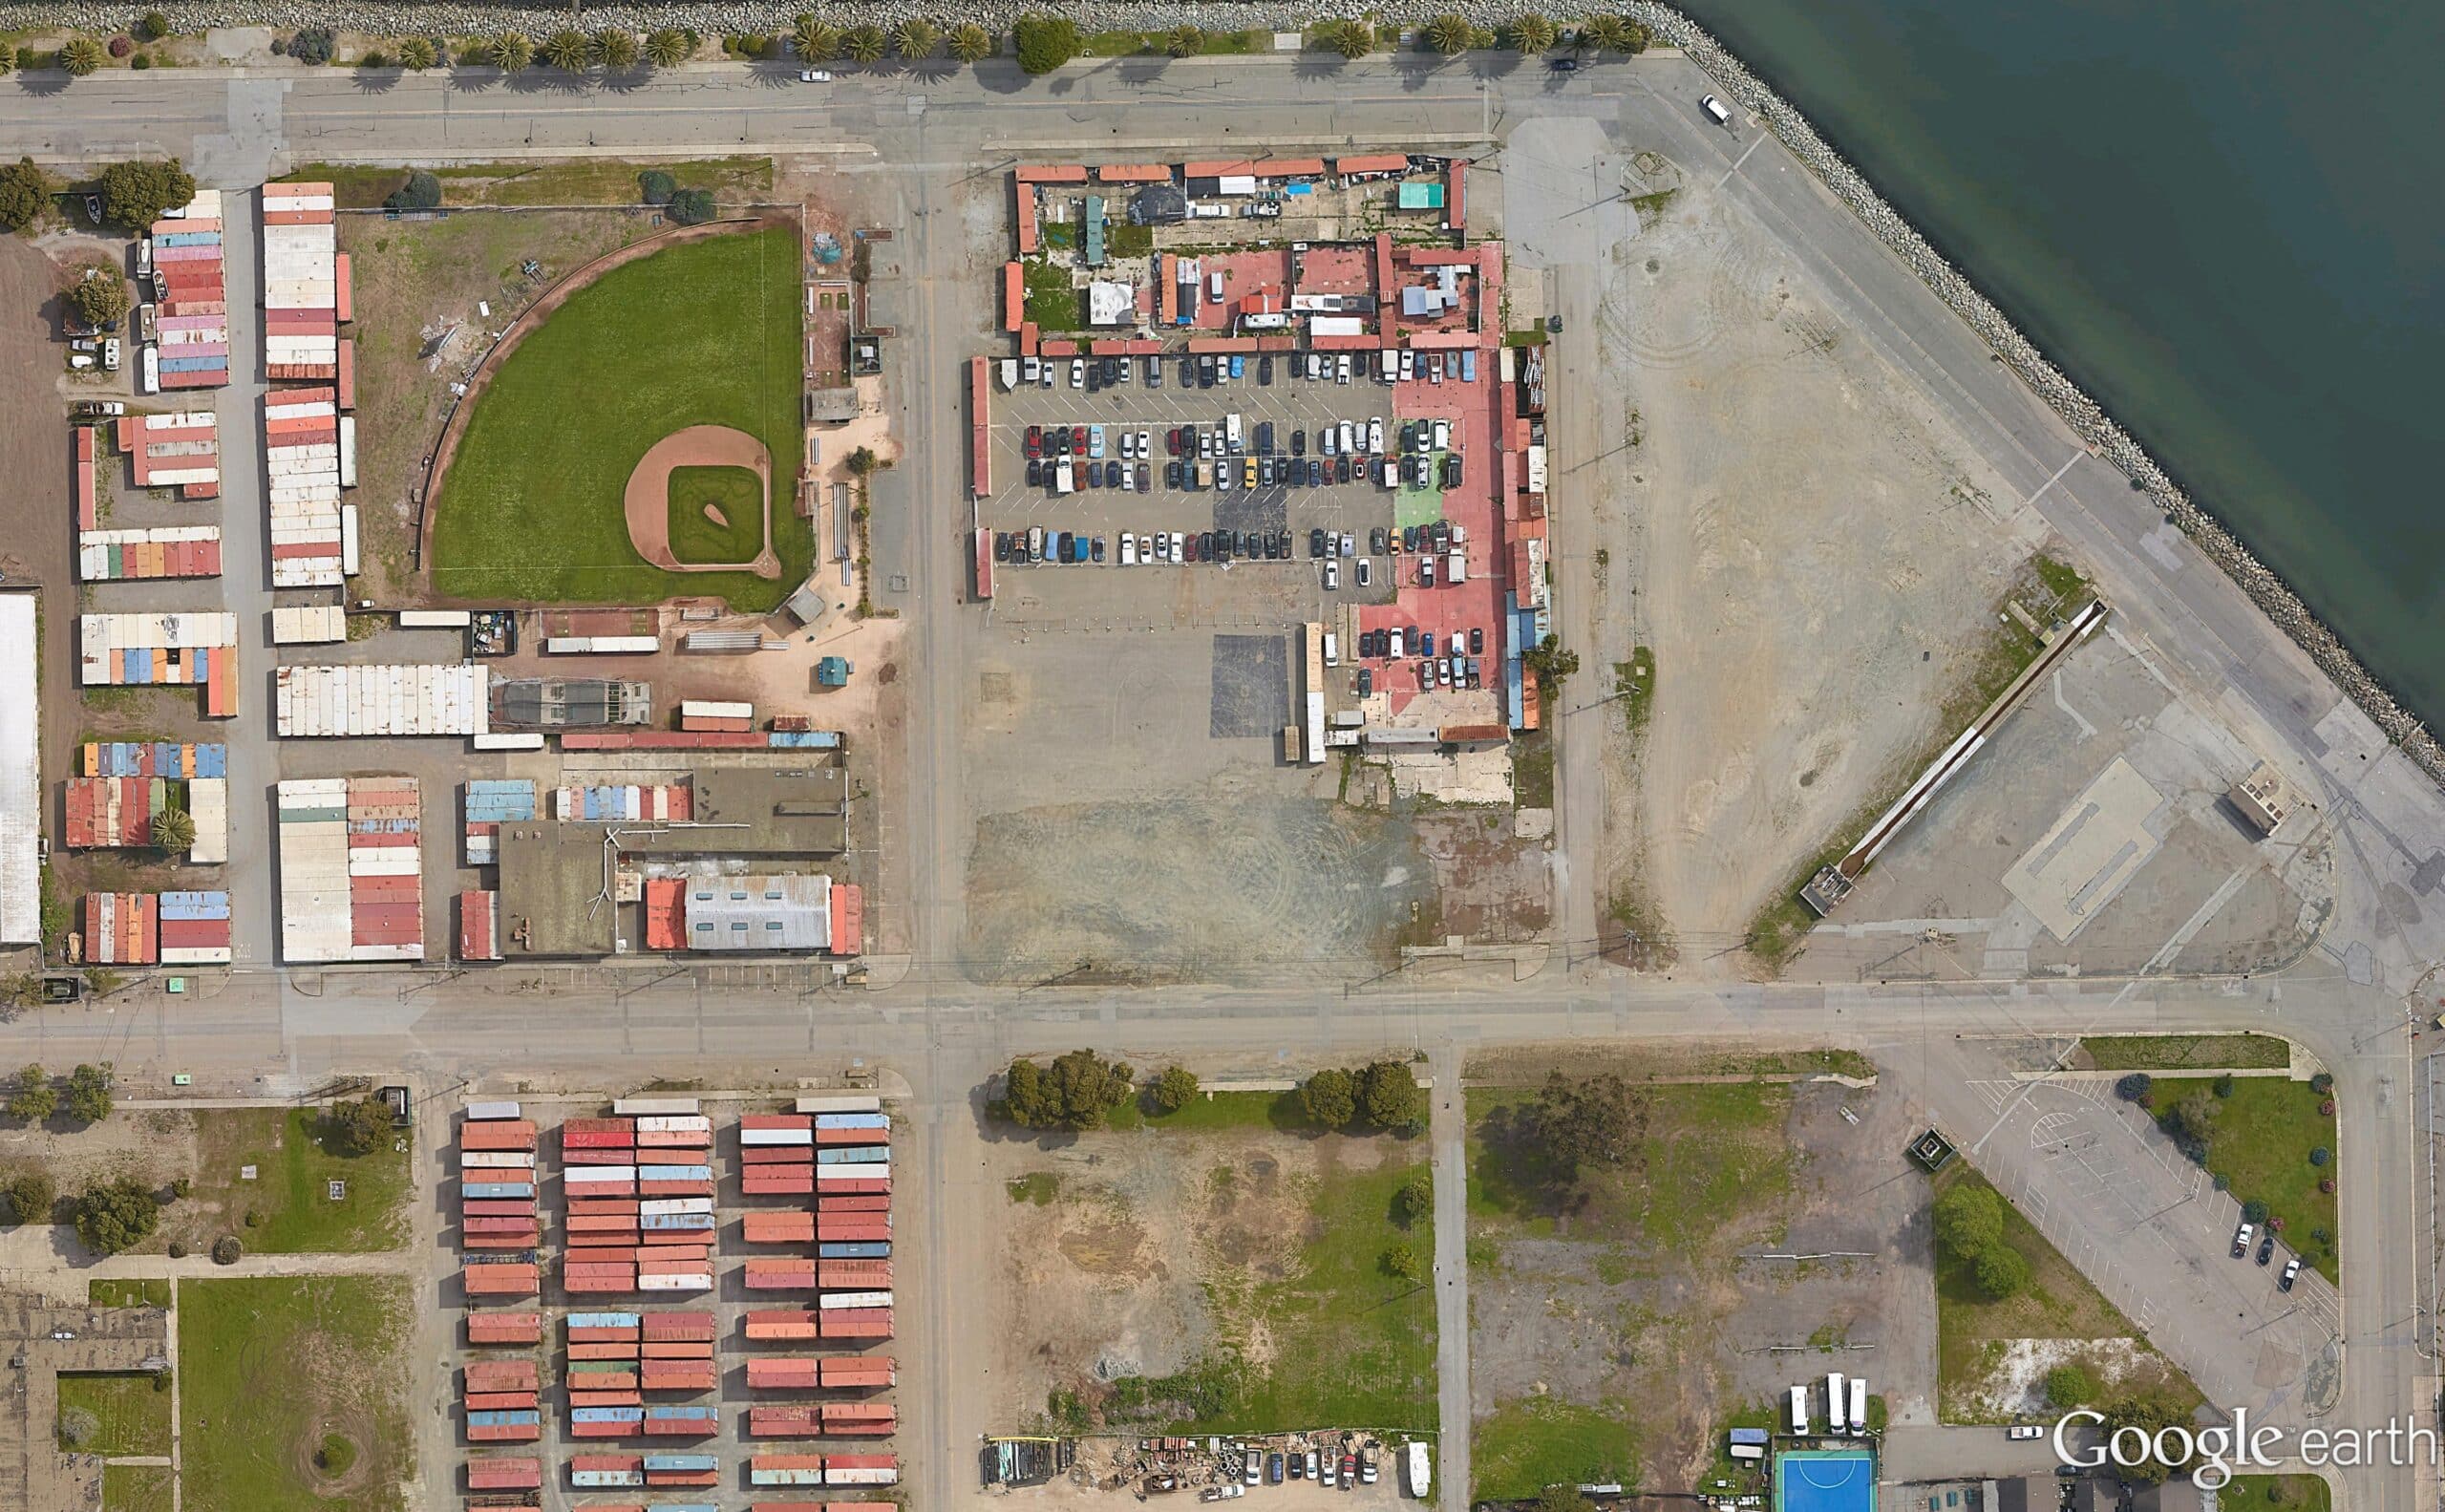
99 297
1390 1097
1970 1221
2194 1119
816 41
1558 1498
1351 40
416 54
421 191
1184 41
32 1097
89 1093
1045 42
82 55
1529 31
617 48
656 186
916 39
667 47
135 194
358 1126
568 49
25 194
31 1196
1171 1091
1413 1200
153 26
117 1215
1402 1262
173 831
509 51
2151 1413
312 45
2069 1385
1330 1097
1587 1122
1078 1091
1450 33
971 43
1549 662
2000 1271
863 45
691 207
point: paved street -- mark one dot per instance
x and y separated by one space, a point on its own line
266 1032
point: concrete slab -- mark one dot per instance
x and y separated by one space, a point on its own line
2099 844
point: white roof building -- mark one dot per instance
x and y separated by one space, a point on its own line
1111 303
20 774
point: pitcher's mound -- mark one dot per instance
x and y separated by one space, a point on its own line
647 501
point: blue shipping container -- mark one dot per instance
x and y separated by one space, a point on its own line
496 1188
678 1414
607 1414
854 1154
674 1173
860 1249
602 1320
673 1461
503 1418
853 1121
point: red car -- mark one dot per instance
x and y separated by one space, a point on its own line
1171 440
1035 440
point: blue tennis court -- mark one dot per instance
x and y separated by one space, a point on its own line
1825 1481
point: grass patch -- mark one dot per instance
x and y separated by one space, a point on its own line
1038 1187
2187 1052
289 1196
1217 1112
2061 580
704 333
1053 301
1121 239
1634 684
2301 1492
1524 1446
2258 1143
1120 43
2060 1302
1707 1154
1532 770
734 180
734 493
135 1488
126 1415
154 1293
272 1368
1351 1345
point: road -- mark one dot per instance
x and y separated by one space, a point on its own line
2346 1002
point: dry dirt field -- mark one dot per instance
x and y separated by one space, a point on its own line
1810 551
1652 1283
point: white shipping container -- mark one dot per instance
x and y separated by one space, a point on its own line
507 742
435 619
674 1123
495 1159
699 1282
762 1137
598 1175
854 1299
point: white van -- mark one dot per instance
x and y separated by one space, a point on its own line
1456 568
1214 282
1332 649
1395 652
1715 110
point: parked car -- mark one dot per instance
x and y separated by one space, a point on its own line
1332 576
2024 1430
2241 1235
815 75
1035 440
1077 372
1145 476
1316 543
1366 574
1477 640
2291 1273
1128 551
2266 1247
1273 1468
1096 550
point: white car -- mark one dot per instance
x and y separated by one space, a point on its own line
1162 546
1045 373
1443 436
1332 576
1176 547
1145 443
1128 446
1128 551
1375 435
2025 1431
1145 551
1077 372
1342 375
1409 363
815 75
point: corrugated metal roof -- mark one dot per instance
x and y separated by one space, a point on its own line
20 774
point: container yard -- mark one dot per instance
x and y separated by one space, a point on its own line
180 450
125 785
171 928
308 452
309 624
703 1333
330 702
307 293
197 650
351 869
182 261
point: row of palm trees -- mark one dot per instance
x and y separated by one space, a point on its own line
818 41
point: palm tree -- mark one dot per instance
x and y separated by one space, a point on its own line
81 57
971 43
1450 33
1530 31
916 39
667 47
617 46
173 831
1607 34
568 49
1184 41
509 50
1351 40
816 41
416 55
863 44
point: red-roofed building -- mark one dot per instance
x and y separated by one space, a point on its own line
1014 296
1376 163
1134 173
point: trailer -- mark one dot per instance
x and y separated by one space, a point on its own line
1837 1403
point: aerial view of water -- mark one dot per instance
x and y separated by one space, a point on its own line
2224 219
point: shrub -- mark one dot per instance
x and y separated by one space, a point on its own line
1077 1092
227 1249
153 27
916 39
2069 1386
312 45
2322 1083
1390 1097
617 46
31 1196
422 191
357 1126
1968 1220
970 43
2319 1156
254 1218
116 1216
2320 1236
2134 1087
2325 1109
141 60
2253 1211
2326 1184
667 47
80 57
181 1188
1450 33
1413 1200
122 45
2000 1272
656 186
178 1249
2275 1225
692 206
32 1097
2223 1085
28 58
864 45
89 1093
1045 42
1170 1092
1330 1097
417 53
1402 1262
374 57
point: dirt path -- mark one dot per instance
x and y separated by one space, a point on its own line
35 531
647 501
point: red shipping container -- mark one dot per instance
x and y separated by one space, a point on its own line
504 1433
679 1376
598 1126
838 1137
497 1134
680 1477
853 1275
525 1241
579 1398
498 1281
848 1228
596 1206
776 1121
496 1207
777 1181
606 1462
603 1380
498 1401
680 1350
855 1322
779 1323
778 1228
603 1351
498 1473
505 1328
858 1371
776 1155
604 1430
501 1375
853 1202
782 1375
687 1325
858 1186
589 1155
603 1333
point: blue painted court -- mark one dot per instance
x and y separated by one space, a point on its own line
1825 1481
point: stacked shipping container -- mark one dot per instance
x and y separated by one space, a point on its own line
125 785
351 869
308 452
191 314
627 801
640 1190
309 624
480 924
151 650
160 551
306 282
118 929
490 803
195 929
178 450
499 1397
424 699
499 1230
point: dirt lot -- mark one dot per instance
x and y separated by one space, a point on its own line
417 287
1810 552
1652 1283
1225 1277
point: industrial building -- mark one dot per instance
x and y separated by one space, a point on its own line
20 772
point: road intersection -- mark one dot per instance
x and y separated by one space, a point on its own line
2351 1002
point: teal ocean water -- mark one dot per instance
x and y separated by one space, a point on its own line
2226 221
